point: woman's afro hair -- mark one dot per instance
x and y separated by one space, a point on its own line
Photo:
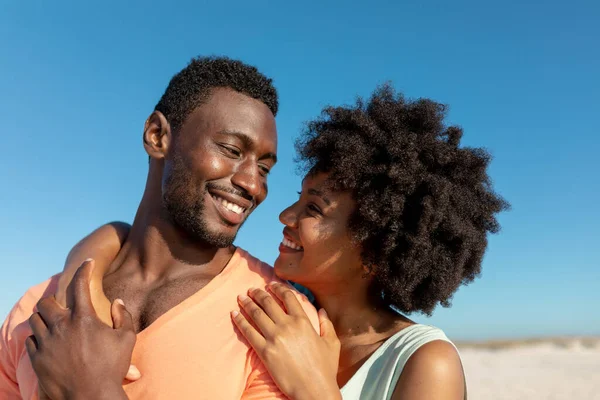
424 205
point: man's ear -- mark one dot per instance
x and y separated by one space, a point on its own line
157 135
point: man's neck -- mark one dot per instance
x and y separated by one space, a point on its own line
158 250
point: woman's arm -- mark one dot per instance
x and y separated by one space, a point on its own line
433 372
102 245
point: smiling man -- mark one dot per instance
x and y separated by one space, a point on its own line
212 141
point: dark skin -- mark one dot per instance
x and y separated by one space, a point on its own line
54 326
176 266
324 258
329 264
227 146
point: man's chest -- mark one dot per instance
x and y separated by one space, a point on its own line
147 303
191 353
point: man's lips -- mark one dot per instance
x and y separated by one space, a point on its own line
230 212
232 198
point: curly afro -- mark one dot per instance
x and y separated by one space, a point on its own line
424 205
191 86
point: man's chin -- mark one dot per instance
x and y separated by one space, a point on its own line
218 239
220 236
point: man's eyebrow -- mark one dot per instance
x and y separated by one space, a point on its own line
240 135
248 142
315 192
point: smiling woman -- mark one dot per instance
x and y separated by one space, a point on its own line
393 217
316 227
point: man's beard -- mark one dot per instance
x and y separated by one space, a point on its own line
186 208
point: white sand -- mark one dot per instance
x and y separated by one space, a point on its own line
541 371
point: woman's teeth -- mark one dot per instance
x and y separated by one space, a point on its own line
290 244
230 206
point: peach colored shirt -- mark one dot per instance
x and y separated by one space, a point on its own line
193 351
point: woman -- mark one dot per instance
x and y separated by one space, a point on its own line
392 218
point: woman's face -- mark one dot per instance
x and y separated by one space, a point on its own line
316 247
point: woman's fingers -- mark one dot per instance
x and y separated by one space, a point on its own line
270 306
256 315
327 329
288 298
256 340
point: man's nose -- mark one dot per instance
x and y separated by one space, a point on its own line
248 178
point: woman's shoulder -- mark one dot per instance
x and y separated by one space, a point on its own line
378 377
435 360
417 335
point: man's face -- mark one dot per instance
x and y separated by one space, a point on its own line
216 169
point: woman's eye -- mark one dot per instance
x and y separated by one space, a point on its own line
314 209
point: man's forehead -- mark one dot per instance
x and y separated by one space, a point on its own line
225 98
229 111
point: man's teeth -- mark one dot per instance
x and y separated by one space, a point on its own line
290 244
230 206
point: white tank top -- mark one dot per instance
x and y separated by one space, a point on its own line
376 379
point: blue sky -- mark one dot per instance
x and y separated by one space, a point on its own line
77 82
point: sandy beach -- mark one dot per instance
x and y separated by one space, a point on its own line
541 369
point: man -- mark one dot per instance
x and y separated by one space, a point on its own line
211 141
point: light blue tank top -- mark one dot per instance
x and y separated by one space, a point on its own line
376 379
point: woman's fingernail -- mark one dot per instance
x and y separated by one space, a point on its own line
119 301
88 260
234 314
243 297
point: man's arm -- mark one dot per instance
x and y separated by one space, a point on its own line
64 347
17 379
9 388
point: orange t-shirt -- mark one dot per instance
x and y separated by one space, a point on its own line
193 351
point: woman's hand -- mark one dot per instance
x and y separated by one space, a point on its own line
302 363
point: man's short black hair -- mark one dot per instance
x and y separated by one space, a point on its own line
192 85
424 205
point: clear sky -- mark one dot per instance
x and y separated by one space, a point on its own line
521 77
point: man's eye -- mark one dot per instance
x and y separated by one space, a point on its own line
265 170
234 151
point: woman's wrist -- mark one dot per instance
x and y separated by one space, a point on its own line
325 391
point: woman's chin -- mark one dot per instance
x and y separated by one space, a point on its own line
284 269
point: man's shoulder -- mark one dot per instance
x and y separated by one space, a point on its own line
257 269
15 328
25 306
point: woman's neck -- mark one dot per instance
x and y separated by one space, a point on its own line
360 326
